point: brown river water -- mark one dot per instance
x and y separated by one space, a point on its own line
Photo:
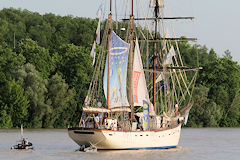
54 144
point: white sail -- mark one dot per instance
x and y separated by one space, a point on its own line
140 91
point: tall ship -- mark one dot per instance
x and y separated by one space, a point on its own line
141 92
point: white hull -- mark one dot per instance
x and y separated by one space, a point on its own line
108 139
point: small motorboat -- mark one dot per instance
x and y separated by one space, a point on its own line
23 143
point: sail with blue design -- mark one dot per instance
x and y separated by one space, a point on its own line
118 72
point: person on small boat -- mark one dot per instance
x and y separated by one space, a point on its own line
23 142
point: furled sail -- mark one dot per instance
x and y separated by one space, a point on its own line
140 91
118 73
105 110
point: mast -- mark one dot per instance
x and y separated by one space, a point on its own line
156 10
109 52
131 63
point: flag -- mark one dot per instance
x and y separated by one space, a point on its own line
93 52
163 87
99 15
100 10
160 77
98 32
152 3
168 59
160 3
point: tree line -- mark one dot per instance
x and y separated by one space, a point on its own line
46 68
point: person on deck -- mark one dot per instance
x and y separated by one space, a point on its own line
97 121
106 125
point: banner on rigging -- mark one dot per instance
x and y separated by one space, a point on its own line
145 115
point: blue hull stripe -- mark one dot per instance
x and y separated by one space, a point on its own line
164 147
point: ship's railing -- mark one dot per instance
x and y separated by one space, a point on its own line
113 124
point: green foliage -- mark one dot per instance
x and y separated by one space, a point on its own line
46 45
45 71
15 102
9 61
5 118
76 68
218 84
35 89
227 54
36 55
212 114
232 116
197 111
223 78
59 98
205 112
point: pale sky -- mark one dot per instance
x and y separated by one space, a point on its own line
216 22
